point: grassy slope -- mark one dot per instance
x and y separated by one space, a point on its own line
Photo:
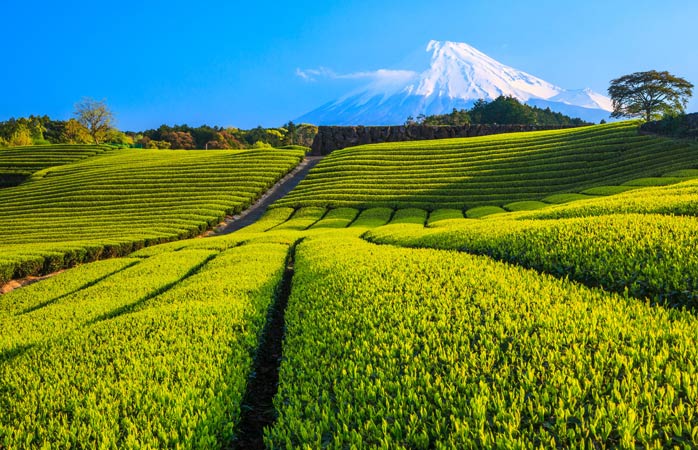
110 204
490 170
401 347
418 348
18 163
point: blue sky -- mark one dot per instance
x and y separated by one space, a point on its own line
235 63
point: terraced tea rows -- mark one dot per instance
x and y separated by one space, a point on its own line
386 346
177 344
161 364
116 203
490 170
400 348
647 256
18 163
678 199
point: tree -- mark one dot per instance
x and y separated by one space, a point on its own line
148 143
96 117
75 133
229 135
116 137
21 136
255 134
649 94
455 118
291 137
260 144
179 139
306 134
54 130
217 143
273 137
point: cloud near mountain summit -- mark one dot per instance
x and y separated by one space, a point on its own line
376 75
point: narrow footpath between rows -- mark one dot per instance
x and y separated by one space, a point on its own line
258 410
279 190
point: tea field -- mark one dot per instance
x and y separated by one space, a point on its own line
18 163
489 171
566 322
122 200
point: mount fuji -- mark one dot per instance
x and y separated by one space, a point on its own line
457 76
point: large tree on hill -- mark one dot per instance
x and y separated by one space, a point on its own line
649 94
96 117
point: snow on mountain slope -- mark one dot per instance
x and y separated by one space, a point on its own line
585 98
460 71
457 76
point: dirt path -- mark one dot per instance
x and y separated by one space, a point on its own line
26 281
279 190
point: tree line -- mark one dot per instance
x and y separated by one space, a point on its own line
207 137
502 110
93 123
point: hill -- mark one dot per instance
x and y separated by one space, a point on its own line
502 110
18 163
572 326
110 204
488 170
391 330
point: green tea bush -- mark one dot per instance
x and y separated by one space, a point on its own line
644 255
168 369
119 201
402 348
488 171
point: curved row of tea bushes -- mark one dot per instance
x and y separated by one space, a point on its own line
18 163
336 218
67 313
372 217
165 361
488 171
415 348
113 204
676 199
156 353
644 255
301 219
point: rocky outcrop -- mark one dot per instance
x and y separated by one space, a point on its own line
334 138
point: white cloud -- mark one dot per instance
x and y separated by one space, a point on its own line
381 75
314 74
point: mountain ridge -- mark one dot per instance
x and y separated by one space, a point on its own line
458 75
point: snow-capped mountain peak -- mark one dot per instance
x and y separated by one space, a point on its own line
457 76
458 70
